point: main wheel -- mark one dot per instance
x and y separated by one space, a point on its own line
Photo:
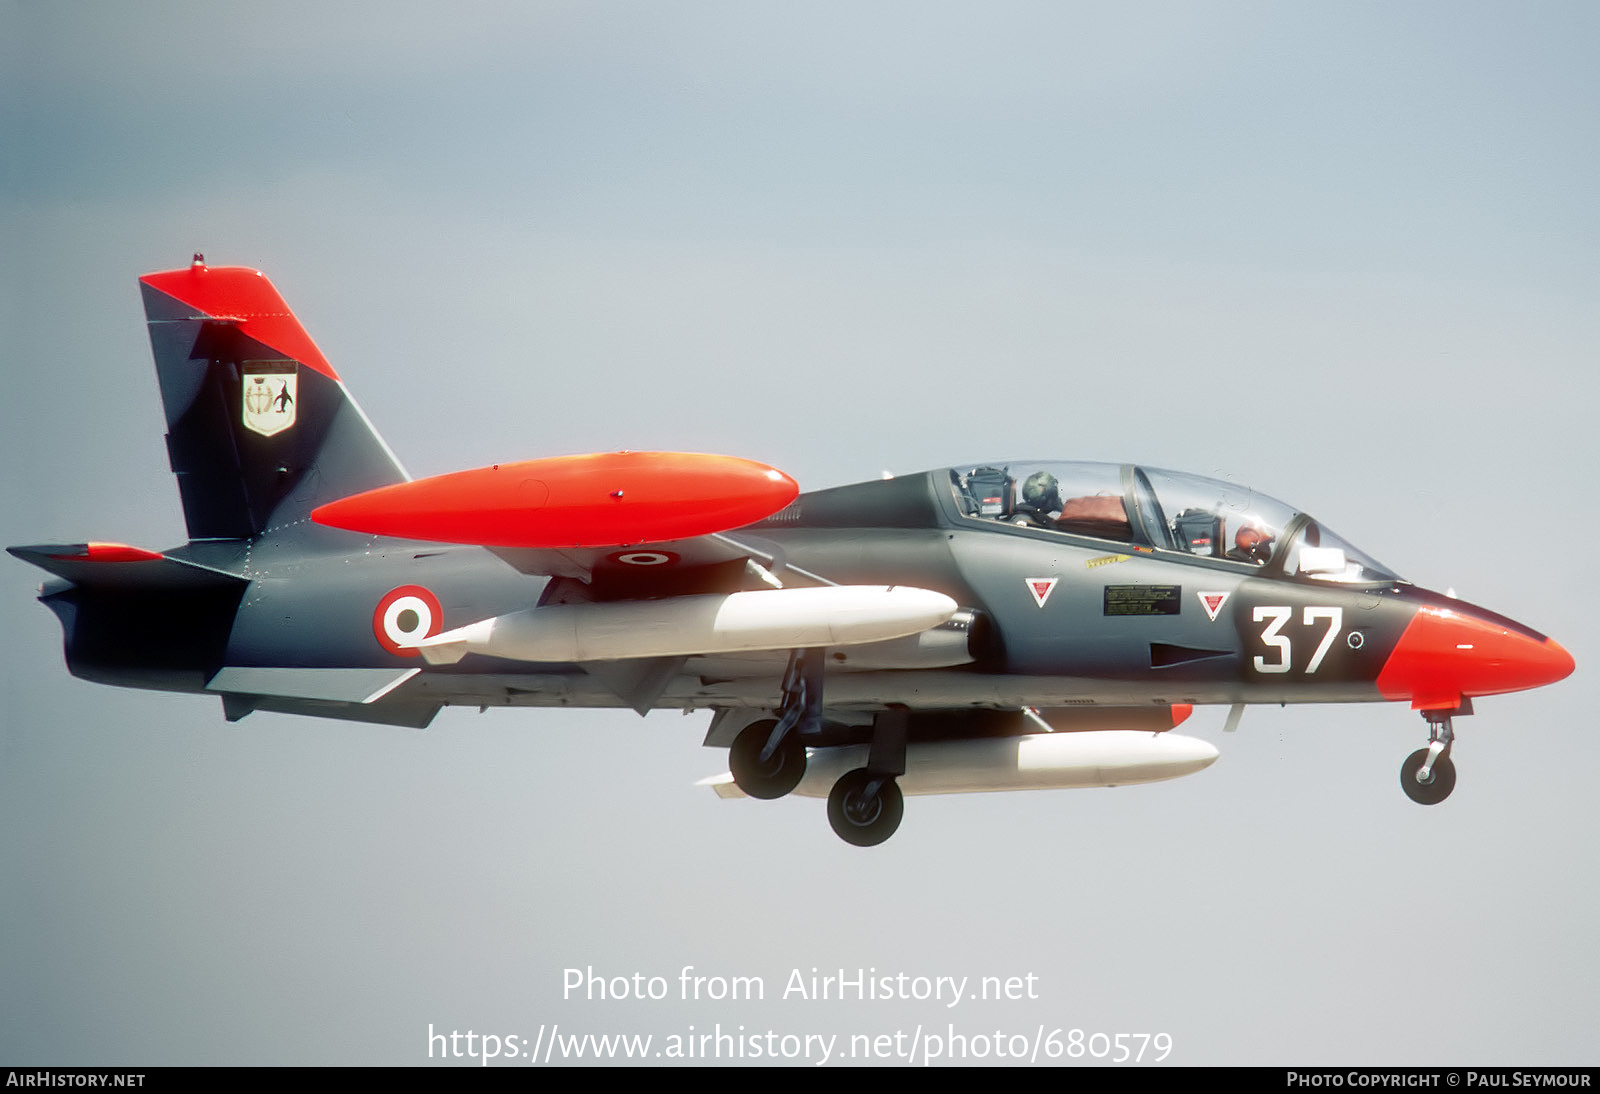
779 775
862 819
1441 780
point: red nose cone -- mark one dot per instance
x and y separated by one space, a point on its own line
1445 654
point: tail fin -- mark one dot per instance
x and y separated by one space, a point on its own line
260 429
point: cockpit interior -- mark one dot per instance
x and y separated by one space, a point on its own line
1156 510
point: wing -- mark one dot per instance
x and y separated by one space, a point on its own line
717 562
646 568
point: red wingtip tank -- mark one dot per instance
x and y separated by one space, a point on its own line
607 499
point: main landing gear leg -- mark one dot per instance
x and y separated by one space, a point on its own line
768 758
866 805
1428 775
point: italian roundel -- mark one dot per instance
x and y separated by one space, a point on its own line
405 616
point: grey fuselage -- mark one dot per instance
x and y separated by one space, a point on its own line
1059 620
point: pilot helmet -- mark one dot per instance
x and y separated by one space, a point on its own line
1253 541
1041 491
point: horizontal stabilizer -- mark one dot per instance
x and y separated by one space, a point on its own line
328 685
119 566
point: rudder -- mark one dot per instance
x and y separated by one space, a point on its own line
260 429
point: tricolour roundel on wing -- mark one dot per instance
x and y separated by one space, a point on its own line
406 615
606 499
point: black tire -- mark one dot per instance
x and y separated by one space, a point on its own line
863 821
775 778
1441 780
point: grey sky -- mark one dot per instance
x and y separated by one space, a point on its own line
1346 254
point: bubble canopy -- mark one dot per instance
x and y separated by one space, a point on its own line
1164 510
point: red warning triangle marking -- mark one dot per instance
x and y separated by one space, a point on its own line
1040 587
1212 603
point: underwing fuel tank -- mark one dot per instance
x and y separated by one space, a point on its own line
1038 761
767 619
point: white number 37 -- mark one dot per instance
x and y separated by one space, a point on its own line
1276 616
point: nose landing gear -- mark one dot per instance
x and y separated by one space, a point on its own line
1428 775
1427 778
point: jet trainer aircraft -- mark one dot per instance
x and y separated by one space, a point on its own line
1002 625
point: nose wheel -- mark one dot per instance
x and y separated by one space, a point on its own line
1428 775
1427 783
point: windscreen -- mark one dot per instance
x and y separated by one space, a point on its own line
1168 510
